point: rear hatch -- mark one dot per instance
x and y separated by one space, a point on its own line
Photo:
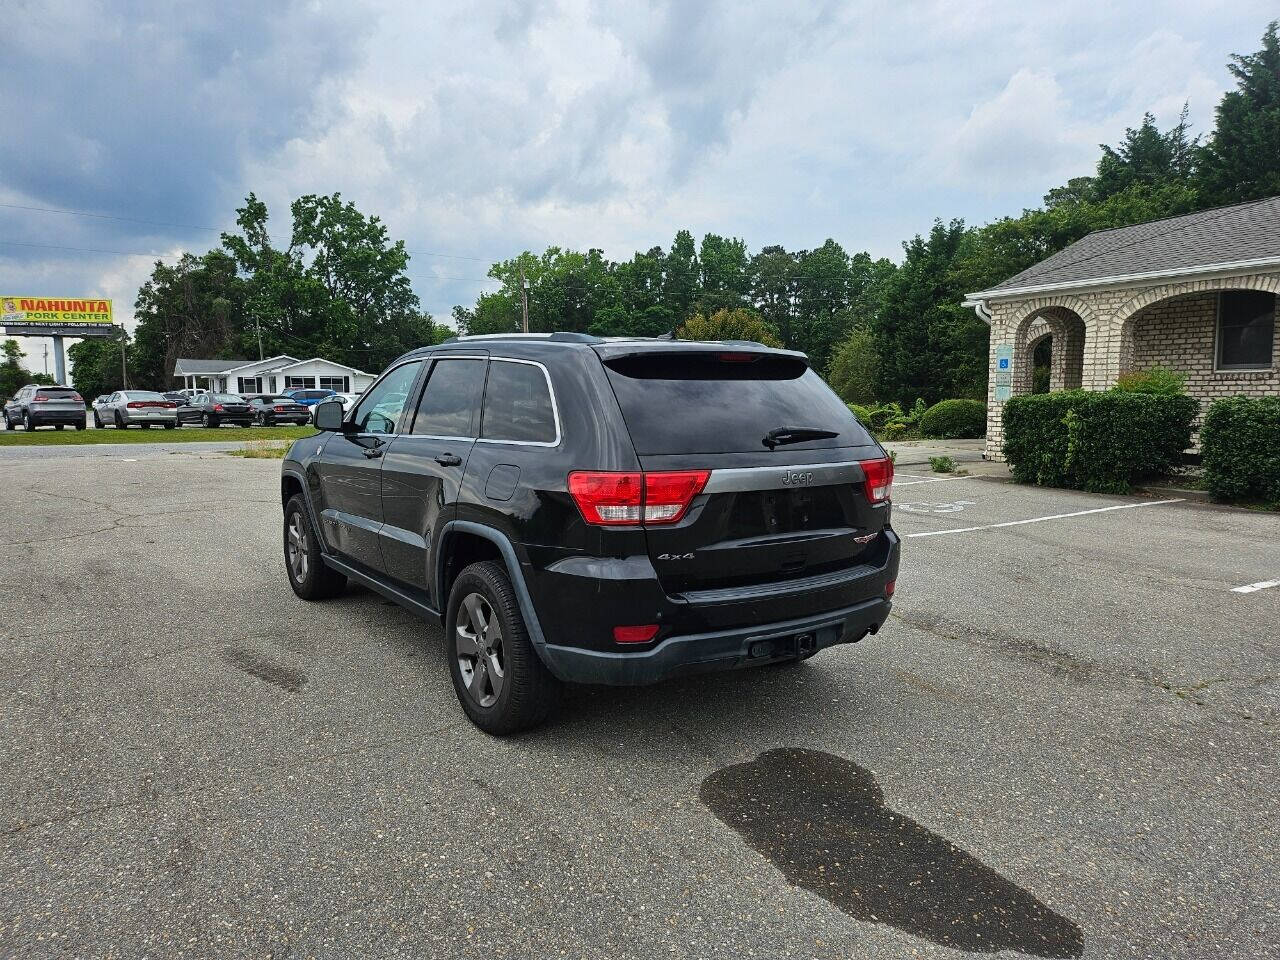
785 497
59 400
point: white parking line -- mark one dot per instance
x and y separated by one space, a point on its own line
1254 587
1056 516
912 483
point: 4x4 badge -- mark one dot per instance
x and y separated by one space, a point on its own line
675 556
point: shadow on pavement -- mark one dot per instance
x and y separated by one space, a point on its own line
822 821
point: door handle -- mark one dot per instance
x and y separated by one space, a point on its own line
448 459
373 453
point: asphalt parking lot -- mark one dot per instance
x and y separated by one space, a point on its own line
1065 743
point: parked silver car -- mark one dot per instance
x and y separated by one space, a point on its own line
37 406
145 408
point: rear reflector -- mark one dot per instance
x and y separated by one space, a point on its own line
629 498
878 478
888 588
637 634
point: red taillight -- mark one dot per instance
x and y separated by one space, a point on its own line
637 634
667 495
737 357
217 407
171 406
617 499
39 398
888 588
878 477
135 404
77 398
607 498
280 409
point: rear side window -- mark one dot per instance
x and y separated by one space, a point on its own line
451 401
517 404
726 402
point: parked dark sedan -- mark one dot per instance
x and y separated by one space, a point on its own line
215 409
269 408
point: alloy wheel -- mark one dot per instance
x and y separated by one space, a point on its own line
296 547
481 657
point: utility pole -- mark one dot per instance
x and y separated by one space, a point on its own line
524 299
258 324
46 357
124 373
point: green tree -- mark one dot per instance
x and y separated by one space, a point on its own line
95 366
13 375
855 367
1242 158
680 281
738 324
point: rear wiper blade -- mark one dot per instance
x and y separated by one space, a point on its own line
783 435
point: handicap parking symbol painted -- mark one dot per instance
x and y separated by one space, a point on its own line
940 506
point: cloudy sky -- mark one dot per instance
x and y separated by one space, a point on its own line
479 129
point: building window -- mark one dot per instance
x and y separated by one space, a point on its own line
336 384
250 384
299 383
1246 329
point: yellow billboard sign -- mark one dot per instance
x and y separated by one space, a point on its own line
55 311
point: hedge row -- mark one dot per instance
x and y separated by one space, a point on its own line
955 420
1240 449
1101 442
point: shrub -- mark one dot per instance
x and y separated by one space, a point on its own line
955 420
895 430
1240 449
883 415
861 412
1100 442
1156 380
942 464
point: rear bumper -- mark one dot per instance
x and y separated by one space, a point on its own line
579 600
720 650
142 416
43 418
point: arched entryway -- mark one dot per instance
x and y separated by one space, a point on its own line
1056 334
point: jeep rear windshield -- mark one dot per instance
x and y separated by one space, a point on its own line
57 393
725 402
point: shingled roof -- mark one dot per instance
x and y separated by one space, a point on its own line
1243 235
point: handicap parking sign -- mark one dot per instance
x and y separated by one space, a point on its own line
1003 363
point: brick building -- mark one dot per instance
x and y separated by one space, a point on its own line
1195 293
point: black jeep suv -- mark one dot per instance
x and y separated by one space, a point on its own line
591 510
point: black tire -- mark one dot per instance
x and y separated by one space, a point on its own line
145 426
528 690
205 420
120 424
97 421
26 422
311 579
170 426
79 426
57 426
246 424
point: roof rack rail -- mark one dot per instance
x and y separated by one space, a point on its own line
563 336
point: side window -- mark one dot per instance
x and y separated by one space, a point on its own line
450 404
1246 329
517 404
383 406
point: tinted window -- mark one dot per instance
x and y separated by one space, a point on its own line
720 403
144 395
448 405
227 398
56 394
1246 329
383 406
517 404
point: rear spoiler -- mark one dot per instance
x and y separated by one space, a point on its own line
615 349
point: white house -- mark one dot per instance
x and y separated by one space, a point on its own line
271 375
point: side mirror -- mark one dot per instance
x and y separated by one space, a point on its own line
328 416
